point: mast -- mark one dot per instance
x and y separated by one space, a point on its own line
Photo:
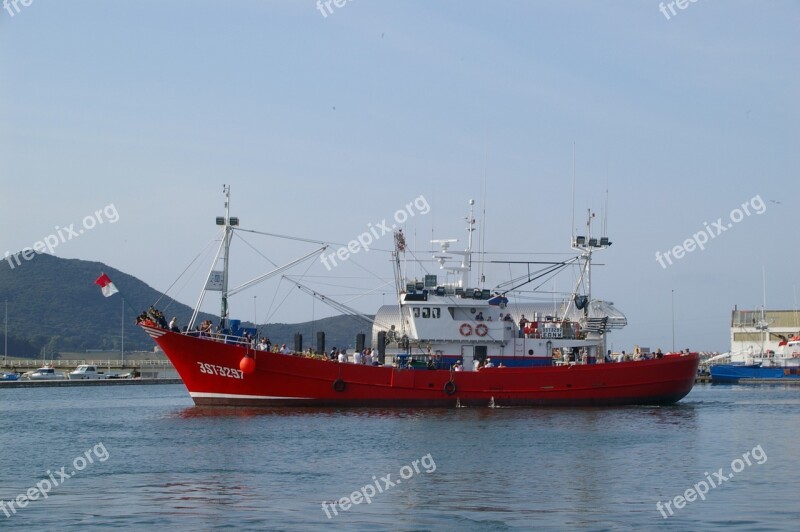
467 264
586 245
763 325
590 215
218 280
228 223
399 247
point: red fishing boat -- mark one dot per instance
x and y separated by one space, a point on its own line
445 343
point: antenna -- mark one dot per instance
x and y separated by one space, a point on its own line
572 227
764 325
415 249
764 292
467 264
482 278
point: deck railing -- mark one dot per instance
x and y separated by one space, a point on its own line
222 338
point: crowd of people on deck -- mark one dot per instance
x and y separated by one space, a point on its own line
153 315
638 354
477 365
365 357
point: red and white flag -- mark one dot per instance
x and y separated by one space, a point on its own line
105 284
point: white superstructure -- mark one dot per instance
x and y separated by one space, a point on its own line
463 320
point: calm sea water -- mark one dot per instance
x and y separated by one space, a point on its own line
158 461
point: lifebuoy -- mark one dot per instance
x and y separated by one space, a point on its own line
465 329
450 387
339 385
481 329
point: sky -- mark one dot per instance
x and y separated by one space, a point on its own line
326 121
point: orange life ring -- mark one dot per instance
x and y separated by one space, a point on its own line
465 329
481 329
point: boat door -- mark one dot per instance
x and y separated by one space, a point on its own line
480 353
467 357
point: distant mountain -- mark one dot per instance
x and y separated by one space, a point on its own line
54 305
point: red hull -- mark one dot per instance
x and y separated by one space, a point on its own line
211 373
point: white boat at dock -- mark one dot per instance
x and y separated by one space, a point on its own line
45 373
88 371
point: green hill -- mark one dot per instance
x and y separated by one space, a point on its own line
54 305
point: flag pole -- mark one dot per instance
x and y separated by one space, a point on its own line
5 339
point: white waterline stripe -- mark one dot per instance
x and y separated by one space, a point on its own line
237 396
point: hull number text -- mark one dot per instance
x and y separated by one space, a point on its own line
212 369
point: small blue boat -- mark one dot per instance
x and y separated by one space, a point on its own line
732 373
8 376
770 365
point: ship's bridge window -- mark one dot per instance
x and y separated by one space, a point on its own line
436 313
416 312
426 312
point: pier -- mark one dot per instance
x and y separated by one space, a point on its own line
145 371
85 382
769 381
15 364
